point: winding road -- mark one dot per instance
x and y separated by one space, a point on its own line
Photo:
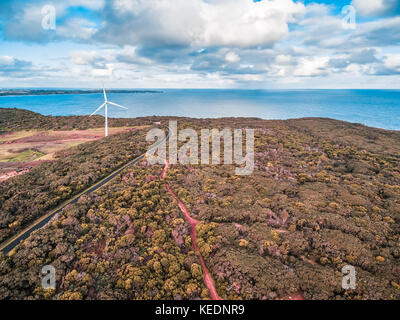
11 243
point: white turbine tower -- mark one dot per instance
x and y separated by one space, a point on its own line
105 104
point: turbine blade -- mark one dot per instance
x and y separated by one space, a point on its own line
104 92
117 105
98 109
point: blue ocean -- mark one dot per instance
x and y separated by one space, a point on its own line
375 108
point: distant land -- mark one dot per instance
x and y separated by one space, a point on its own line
41 92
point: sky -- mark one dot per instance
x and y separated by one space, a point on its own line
244 44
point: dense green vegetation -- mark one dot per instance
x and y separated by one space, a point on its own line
314 204
126 242
324 194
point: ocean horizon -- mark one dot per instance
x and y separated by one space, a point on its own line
374 108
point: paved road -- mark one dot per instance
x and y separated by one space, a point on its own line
11 243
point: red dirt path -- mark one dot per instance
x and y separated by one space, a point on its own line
297 296
193 223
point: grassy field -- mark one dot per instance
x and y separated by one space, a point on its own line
28 155
29 145
20 151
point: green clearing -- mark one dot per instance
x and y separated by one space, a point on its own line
28 155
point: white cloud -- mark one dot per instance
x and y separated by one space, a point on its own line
77 29
232 57
109 71
312 67
201 43
240 23
22 20
83 57
245 23
392 61
374 7
283 59
6 61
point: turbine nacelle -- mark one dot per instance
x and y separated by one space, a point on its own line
105 104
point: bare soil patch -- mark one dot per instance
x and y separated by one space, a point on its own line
20 151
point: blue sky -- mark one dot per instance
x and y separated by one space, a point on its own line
200 44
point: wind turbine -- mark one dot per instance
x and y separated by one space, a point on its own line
105 104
